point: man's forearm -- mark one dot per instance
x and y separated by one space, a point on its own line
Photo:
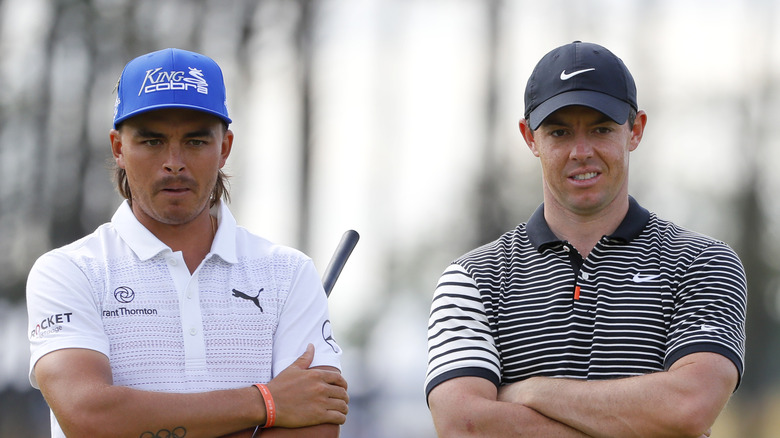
496 419
601 409
141 413
78 386
681 402
467 406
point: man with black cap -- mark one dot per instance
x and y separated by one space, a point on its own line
595 317
171 320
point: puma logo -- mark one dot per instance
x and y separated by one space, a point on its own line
255 299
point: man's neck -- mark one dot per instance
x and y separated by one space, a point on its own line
193 239
584 231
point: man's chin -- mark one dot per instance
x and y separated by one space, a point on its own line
175 214
590 205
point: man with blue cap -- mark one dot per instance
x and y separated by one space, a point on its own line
172 320
595 317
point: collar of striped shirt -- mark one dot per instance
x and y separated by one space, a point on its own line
542 237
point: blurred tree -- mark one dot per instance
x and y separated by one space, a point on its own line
304 31
493 215
762 357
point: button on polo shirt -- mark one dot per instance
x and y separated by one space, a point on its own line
187 287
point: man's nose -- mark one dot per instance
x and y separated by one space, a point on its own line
174 161
582 149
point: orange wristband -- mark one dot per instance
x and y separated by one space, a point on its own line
270 407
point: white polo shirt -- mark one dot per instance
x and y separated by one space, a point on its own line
245 314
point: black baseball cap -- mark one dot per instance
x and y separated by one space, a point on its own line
580 73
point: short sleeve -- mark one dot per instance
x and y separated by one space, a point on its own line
460 342
710 308
62 312
305 320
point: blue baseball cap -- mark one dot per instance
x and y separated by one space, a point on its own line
170 78
580 73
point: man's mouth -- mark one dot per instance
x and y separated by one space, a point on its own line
584 176
175 185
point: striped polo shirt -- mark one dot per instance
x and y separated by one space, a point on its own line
528 304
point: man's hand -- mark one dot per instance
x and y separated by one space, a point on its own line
308 396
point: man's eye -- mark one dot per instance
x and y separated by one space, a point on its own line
558 133
603 130
197 142
153 142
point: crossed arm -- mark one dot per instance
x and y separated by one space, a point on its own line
468 407
681 402
78 386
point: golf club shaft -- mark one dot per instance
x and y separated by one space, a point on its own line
339 259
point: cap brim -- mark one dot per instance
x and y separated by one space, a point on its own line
615 109
171 105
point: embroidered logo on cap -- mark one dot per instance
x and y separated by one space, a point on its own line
158 80
566 76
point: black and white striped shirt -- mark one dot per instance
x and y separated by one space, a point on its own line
528 305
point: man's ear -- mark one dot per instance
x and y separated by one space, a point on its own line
116 148
638 129
227 146
528 136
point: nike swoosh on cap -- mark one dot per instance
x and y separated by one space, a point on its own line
565 76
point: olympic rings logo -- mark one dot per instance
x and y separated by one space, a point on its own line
178 432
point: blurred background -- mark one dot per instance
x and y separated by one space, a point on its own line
396 118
